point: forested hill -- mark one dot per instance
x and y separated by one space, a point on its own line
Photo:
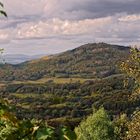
97 60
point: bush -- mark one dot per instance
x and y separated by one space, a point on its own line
97 126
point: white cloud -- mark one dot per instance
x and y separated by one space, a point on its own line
56 27
112 26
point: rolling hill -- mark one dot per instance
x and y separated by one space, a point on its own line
97 60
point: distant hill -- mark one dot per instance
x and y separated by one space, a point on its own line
19 58
96 60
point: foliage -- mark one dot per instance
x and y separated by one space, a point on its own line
97 126
13 129
2 12
121 126
134 127
67 134
131 67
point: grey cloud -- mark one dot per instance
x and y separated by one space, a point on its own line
83 9
77 32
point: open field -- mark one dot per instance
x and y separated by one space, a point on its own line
53 79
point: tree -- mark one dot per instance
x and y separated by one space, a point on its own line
131 68
2 12
121 126
134 127
97 126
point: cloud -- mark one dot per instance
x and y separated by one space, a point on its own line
83 9
107 27
70 9
18 8
130 18
116 26
58 25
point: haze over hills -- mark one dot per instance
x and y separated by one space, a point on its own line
20 58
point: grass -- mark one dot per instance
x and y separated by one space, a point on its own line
58 105
63 80
25 105
31 95
53 79
22 96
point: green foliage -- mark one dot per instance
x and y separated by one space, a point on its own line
97 126
2 12
131 67
121 126
66 133
13 129
134 127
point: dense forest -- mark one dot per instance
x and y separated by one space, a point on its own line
87 93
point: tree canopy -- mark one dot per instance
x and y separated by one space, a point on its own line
97 126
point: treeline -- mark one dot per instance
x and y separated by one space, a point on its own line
69 103
98 126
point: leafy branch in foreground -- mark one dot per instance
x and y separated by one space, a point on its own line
13 129
2 12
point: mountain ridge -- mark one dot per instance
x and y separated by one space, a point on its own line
94 60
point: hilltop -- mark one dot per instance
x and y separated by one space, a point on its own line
95 60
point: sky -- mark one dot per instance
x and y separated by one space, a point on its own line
52 26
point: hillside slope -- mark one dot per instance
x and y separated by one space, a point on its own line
88 61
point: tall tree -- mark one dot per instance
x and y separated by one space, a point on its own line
97 126
134 127
132 68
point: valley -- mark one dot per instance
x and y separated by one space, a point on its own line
56 83
64 88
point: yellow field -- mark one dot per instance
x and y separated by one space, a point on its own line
53 79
